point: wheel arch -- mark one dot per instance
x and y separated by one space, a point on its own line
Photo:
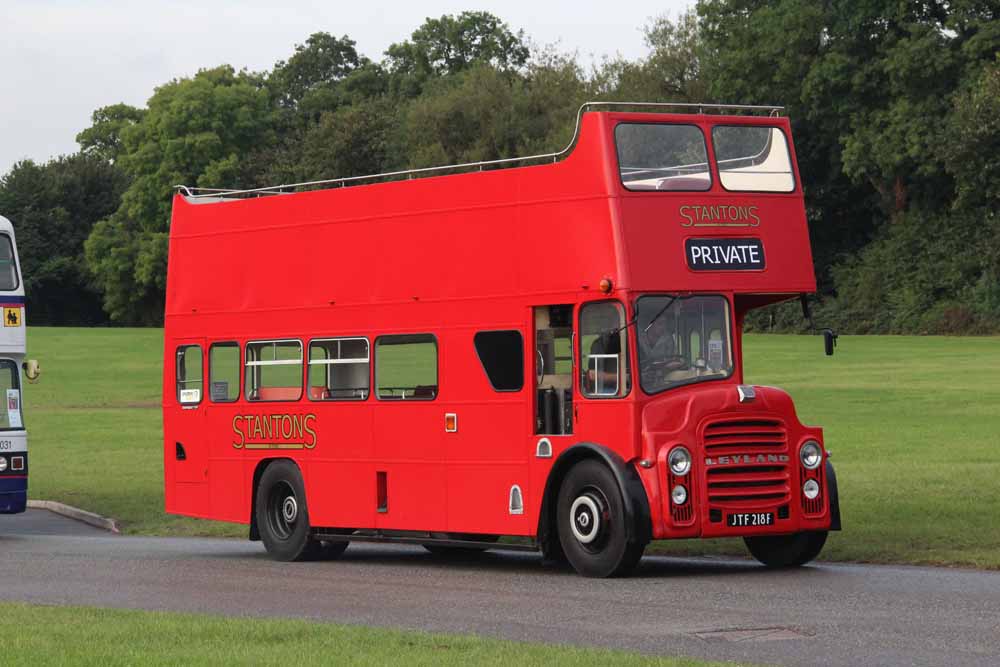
258 472
635 501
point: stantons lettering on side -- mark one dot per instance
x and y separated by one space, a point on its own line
282 431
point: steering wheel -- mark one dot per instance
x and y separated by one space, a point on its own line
656 371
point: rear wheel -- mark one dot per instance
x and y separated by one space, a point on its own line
282 515
780 551
590 518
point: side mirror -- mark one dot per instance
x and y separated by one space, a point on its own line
31 370
829 341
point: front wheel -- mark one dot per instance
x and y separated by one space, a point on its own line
590 518
779 551
282 515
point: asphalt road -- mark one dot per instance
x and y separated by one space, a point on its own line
717 609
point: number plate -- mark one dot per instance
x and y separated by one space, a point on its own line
750 519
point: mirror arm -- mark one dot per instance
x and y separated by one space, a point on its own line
829 335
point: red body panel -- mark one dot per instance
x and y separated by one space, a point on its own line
452 256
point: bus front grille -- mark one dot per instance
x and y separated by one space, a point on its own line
747 462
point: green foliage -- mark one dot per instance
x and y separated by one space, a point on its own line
103 139
311 75
671 73
194 131
894 108
449 45
54 207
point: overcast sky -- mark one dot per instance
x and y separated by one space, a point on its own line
61 59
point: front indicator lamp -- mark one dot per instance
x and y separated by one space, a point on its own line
679 495
811 455
810 489
679 461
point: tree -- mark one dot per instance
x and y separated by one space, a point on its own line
449 45
310 81
671 73
103 139
54 208
874 90
195 131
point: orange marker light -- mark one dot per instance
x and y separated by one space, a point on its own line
606 285
450 422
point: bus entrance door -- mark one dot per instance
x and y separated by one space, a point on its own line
189 461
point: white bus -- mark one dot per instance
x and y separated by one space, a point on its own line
13 437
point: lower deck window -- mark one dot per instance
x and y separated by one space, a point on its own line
189 377
338 369
274 370
406 367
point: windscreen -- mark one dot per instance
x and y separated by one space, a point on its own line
682 340
8 266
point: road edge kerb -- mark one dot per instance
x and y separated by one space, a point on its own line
95 520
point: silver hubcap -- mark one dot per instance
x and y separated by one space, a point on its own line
585 519
289 509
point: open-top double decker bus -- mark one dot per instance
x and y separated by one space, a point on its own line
551 352
13 437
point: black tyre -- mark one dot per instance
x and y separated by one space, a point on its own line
331 550
590 519
282 515
780 551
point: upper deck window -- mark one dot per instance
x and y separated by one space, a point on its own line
753 159
8 267
658 156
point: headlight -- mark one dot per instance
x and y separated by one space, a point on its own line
679 495
810 489
811 455
3 464
679 461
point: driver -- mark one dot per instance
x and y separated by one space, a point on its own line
656 348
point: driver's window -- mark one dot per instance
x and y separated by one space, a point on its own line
603 350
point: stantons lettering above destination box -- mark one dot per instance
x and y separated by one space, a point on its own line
724 254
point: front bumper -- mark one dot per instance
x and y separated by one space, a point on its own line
13 494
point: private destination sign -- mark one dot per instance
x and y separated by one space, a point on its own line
724 254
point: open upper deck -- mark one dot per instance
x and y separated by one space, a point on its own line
653 201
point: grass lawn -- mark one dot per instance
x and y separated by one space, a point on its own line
87 636
913 424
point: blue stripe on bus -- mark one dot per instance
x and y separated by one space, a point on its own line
6 300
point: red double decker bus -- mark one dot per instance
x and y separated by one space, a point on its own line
550 352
